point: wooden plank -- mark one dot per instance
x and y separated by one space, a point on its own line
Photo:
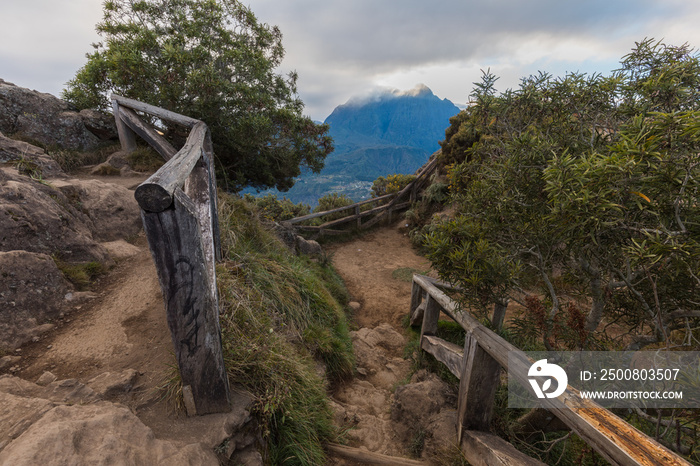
441 283
478 383
368 457
485 449
161 113
192 314
156 193
127 138
339 209
613 438
447 353
148 134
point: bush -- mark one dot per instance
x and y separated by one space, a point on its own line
391 184
272 208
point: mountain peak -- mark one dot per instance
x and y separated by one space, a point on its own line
420 90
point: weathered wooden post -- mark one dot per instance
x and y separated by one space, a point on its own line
127 138
178 208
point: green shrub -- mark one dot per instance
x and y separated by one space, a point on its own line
276 209
333 201
390 184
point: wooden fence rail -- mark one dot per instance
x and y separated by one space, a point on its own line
396 202
478 366
179 213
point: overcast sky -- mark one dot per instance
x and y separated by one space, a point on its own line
345 48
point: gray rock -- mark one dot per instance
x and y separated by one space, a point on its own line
51 121
98 433
108 384
308 247
30 160
32 291
46 378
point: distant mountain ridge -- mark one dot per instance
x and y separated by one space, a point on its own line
416 118
381 134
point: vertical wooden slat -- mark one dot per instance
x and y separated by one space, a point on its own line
174 237
359 219
127 138
430 317
477 388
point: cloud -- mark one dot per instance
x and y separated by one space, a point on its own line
342 48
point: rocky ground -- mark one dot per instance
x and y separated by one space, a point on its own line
384 409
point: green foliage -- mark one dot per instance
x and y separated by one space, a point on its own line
391 184
332 201
281 313
276 209
578 198
211 60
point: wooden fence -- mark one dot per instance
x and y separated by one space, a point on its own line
478 366
394 202
179 213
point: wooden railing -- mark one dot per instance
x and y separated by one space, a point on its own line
178 209
394 202
478 366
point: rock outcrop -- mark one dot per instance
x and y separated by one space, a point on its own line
51 121
67 422
40 222
32 293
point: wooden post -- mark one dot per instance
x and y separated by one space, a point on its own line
174 237
359 219
477 388
430 317
127 138
499 313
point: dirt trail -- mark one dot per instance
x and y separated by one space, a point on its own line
368 265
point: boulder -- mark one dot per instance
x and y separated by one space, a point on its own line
30 160
308 247
425 409
32 292
97 433
38 218
68 216
51 121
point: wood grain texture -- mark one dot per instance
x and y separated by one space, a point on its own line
156 193
148 134
368 457
485 449
161 113
192 311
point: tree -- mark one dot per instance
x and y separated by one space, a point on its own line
211 60
578 198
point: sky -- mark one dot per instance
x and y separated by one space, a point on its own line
349 48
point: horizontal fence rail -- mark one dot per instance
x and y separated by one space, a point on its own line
396 201
179 213
478 365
